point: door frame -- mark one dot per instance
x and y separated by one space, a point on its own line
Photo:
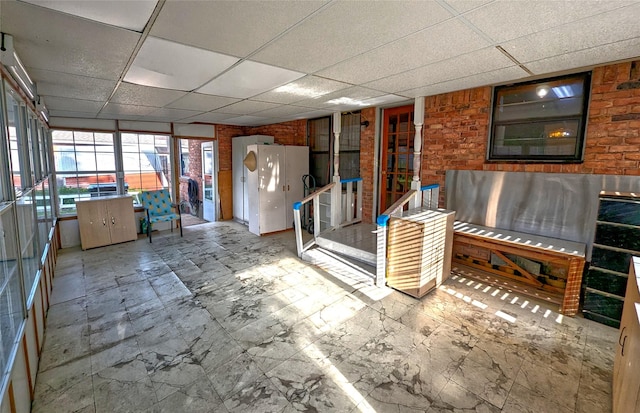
213 146
382 155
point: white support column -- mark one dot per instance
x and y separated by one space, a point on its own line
336 191
418 121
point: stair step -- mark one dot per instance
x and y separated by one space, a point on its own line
347 269
356 241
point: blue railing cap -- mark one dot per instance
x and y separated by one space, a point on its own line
344 181
432 186
297 205
382 220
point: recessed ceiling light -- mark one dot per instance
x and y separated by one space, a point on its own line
346 101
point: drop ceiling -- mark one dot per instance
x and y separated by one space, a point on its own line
261 62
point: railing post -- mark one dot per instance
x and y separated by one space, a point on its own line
316 218
298 227
430 195
349 212
359 200
336 203
381 250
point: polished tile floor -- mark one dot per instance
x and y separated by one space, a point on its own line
224 321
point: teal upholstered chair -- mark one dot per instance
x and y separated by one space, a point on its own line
159 208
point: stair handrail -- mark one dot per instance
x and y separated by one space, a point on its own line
427 196
315 197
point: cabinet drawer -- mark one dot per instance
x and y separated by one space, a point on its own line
617 236
619 211
607 282
611 260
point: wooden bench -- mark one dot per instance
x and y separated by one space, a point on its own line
547 268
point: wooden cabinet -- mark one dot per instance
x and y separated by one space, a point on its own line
419 251
626 367
617 239
105 221
275 185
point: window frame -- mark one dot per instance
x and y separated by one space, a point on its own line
578 154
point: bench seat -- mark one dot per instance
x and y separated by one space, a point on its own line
530 263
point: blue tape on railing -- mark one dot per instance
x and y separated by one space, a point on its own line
344 181
297 205
427 187
382 220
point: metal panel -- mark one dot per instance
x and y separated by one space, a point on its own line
561 206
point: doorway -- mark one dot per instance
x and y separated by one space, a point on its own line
210 199
396 166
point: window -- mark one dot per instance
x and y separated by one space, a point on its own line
541 121
184 157
85 166
146 163
320 141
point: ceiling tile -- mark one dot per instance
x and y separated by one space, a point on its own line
249 79
132 15
73 105
129 110
48 40
237 28
248 121
481 61
354 97
70 114
283 111
628 49
131 94
247 107
203 103
171 115
71 86
165 64
209 117
305 88
482 79
506 20
348 28
462 6
604 29
443 41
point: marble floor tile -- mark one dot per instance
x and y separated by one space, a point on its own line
221 320
199 397
550 383
454 398
522 400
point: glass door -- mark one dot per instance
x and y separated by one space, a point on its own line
209 181
397 155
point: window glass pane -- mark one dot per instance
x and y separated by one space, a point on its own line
184 157
146 162
11 308
540 121
85 166
28 239
13 123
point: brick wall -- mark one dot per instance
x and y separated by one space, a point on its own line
456 130
368 172
287 133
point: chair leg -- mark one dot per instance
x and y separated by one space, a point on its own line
149 231
180 223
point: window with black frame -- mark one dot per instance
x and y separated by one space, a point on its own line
541 121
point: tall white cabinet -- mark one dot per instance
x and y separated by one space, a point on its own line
275 185
240 173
